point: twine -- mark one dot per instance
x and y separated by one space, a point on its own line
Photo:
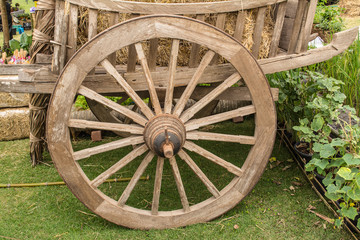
34 139
44 5
41 37
36 108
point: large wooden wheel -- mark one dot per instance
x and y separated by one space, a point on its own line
162 135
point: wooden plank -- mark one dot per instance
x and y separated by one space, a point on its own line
85 124
132 57
113 19
174 8
92 25
308 25
44 83
280 16
297 26
88 152
198 123
172 70
135 179
151 87
259 26
157 186
72 34
201 175
240 25
154 43
179 184
119 165
212 157
220 24
59 18
63 41
195 48
42 58
197 135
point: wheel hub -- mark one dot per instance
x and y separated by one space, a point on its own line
165 135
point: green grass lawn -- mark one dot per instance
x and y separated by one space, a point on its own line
275 209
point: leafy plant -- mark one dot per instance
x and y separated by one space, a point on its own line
321 108
327 18
339 161
24 43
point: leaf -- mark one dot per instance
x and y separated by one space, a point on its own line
328 179
345 173
350 160
354 194
349 212
327 151
338 142
317 147
321 163
357 179
14 44
317 123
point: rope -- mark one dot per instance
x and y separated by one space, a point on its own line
35 108
44 5
41 37
34 139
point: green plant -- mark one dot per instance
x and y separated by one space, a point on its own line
24 43
339 161
81 103
327 18
321 108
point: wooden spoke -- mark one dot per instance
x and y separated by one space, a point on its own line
179 184
209 185
193 82
107 147
129 90
210 96
85 124
153 95
212 157
157 186
197 123
126 194
120 164
121 109
197 135
172 70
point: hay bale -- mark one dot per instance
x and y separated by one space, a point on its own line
14 123
8 100
185 47
351 7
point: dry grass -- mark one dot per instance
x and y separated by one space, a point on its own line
14 123
352 7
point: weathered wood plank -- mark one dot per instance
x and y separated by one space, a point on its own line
179 184
157 186
197 135
308 25
259 26
240 25
153 51
85 124
195 48
297 26
59 19
174 8
277 29
73 28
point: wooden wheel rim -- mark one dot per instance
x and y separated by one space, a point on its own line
139 29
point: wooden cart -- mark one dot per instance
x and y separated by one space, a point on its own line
165 130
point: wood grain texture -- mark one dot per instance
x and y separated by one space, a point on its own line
174 8
85 124
157 186
240 25
277 29
296 28
179 184
259 27
197 135
72 34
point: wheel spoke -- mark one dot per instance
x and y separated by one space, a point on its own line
153 95
134 180
209 185
189 113
85 124
179 184
192 83
197 123
117 166
128 89
88 152
121 109
157 186
212 157
197 135
172 70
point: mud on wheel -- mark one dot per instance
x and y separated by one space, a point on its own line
165 140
